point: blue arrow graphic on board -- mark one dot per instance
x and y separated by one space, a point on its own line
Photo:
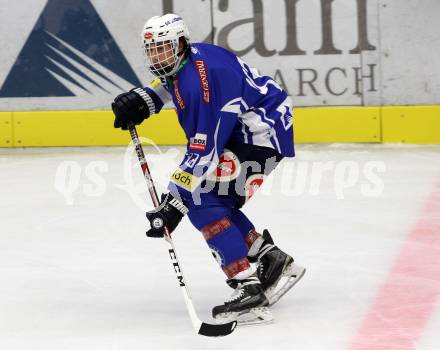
70 52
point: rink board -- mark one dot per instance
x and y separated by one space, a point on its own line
408 124
6 134
89 128
337 124
411 124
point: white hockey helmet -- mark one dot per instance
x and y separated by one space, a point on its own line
160 39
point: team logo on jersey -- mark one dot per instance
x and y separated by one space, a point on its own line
203 76
228 168
70 52
253 183
179 98
198 142
183 179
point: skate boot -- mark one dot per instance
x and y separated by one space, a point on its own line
276 270
247 305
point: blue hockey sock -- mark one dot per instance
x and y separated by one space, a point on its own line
223 237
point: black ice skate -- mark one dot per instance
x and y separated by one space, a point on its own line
247 305
276 270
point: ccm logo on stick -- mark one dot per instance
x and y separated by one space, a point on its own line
176 267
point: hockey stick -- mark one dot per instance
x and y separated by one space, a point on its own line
202 328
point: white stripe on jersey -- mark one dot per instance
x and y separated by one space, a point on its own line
252 73
260 130
275 140
245 134
265 118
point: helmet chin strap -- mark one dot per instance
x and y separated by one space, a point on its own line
181 57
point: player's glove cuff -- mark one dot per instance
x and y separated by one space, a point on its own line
168 214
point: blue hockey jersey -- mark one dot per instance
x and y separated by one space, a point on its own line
220 99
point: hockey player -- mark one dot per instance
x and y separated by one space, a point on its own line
239 125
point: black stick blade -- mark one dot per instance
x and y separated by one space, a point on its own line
217 330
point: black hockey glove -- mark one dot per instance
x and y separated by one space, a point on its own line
134 106
168 214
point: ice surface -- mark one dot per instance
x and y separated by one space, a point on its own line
77 272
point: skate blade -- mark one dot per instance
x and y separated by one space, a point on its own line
291 275
257 315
